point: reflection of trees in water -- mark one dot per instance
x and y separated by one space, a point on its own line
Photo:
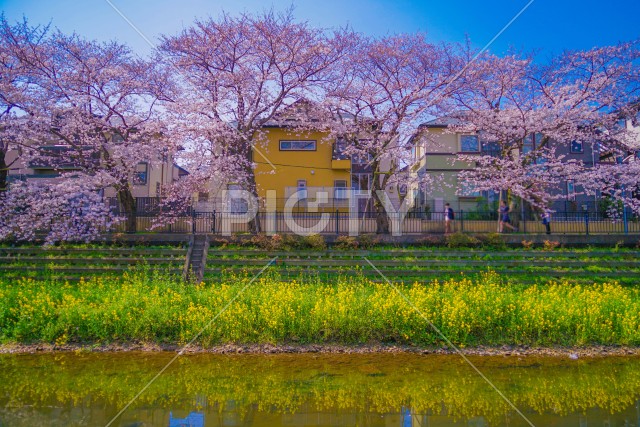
238 387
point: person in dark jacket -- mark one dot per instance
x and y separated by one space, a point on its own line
448 218
505 220
546 221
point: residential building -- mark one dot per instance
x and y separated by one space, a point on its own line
437 149
302 164
148 181
298 166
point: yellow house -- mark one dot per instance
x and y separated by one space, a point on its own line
299 168
308 166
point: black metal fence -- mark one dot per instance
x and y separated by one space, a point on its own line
340 222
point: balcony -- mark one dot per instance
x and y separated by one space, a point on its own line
337 197
341 164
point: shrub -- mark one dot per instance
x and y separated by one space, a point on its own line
493 240
367 241
461 240
527 244
292 241
221 242
262 241
432 240
550 245
345 243
276 242
314 241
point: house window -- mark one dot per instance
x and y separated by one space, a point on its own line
203 196
361 182
402 190
469 144
491 148
571 190
141 174
362 159
467 189
576 147
297 145
340 189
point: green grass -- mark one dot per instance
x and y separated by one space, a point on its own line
150 306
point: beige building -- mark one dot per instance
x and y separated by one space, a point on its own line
436 150
148 180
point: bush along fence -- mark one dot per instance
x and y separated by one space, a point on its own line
341 223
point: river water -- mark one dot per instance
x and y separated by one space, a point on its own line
89 389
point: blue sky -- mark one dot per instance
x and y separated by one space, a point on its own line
548 26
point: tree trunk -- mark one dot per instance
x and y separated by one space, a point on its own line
128 205
4 173
382 219
254 224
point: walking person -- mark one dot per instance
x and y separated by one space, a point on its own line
449 216
505 221
546 220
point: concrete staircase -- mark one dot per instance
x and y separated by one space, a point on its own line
197 256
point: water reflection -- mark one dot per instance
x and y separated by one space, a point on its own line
316 390
194 419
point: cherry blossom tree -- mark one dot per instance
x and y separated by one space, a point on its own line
66 210
18 96
380 95
237 74
529 114
97 117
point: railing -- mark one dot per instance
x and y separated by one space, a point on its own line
337 222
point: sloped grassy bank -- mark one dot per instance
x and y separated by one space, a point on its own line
156 308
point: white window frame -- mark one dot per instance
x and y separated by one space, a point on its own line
340 191
299 145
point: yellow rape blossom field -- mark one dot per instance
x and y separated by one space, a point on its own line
143 306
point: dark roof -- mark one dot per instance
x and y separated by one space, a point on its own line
444 121
291 113
181 171
314 112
